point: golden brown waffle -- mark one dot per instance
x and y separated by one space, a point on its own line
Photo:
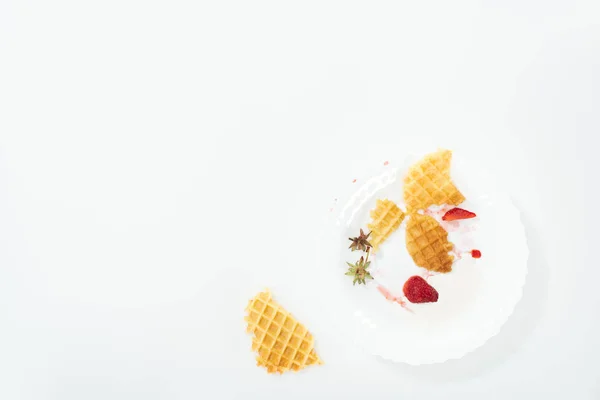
428 182
281 342
427 243
386 217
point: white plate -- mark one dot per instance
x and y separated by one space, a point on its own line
475 299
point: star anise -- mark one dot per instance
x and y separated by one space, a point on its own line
360 243
359 271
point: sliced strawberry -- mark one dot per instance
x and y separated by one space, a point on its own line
475 253
417 290
458 213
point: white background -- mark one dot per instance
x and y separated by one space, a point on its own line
161 162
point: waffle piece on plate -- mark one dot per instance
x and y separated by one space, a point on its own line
427 243
281 342
386 217
428 182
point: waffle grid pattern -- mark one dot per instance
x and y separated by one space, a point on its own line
428 182
427 243
282 343
386 218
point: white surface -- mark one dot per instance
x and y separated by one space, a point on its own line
162 162
475 299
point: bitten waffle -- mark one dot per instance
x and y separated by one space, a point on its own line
427 243
281 342
428 182
386 217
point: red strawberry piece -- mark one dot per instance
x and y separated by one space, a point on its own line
417 290
475 253
458 213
